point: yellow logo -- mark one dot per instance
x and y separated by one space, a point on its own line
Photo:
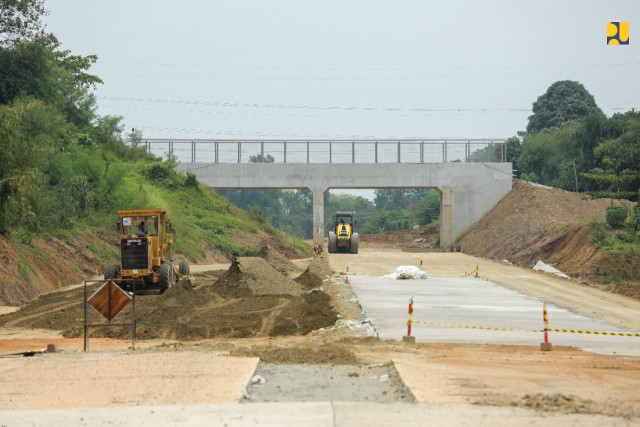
617 33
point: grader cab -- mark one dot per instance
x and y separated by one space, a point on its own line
146 236
343 238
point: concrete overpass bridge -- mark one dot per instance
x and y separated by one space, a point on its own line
471 175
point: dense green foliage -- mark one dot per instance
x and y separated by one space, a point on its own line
635 218
564 101
617 215
606 152
64 169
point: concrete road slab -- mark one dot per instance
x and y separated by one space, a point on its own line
477 302
321 414
106 379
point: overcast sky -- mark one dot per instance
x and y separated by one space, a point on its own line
271 69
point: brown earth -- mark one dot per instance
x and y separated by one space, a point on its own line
420 236
332 353
278 260
49 263
27 271
315 274
532 223
628 289
257 276
250 299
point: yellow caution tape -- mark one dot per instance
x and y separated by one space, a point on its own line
573 331
473 272
489 328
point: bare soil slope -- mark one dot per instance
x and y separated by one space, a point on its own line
422 236
532 223
27 271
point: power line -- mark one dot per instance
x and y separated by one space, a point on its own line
509 68
310 107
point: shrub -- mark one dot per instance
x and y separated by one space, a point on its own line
598 234
624 236
163 173
635 217
616 215
256 212
191 181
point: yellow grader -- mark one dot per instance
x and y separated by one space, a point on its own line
146 236
343 239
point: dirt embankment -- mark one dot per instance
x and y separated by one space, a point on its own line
251 299
27 271
532 223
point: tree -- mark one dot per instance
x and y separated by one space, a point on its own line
38 68
30 131
20 20
613 183
429 208
564 101
547 157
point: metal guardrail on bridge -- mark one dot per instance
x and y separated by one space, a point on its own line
332 151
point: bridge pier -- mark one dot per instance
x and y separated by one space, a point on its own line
318 215
446 217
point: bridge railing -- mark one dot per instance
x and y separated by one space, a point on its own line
331 151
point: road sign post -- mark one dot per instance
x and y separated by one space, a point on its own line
109 300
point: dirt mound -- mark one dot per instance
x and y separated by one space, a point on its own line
277 260
256 276
527 219
313 276
303 317
533 222
420 236
327 354
252 300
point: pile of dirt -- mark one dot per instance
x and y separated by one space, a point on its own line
258 277
533 222
251 299
277 260
334 354
316 272
557 402
420 236
305 316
